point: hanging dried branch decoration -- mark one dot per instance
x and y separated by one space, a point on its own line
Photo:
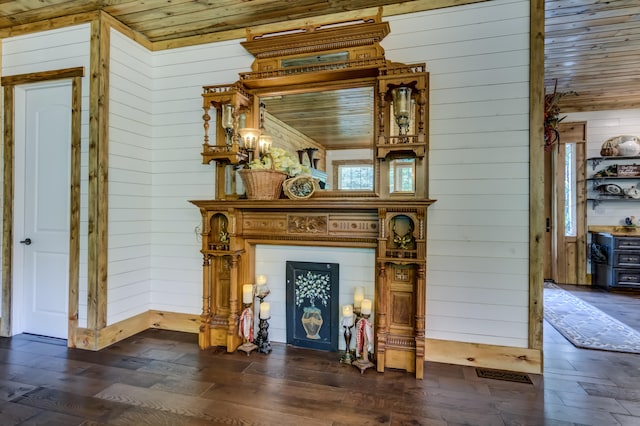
552 116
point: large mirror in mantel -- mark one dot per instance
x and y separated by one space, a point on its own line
329 95
331 130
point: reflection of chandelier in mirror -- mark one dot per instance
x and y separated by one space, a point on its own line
249 138
264 144
402 110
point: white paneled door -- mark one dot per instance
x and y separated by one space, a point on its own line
43 182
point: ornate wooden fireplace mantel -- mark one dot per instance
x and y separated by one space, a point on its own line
344 68
395 228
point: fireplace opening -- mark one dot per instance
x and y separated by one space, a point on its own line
312 305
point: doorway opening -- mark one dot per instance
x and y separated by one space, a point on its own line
41 217
565 207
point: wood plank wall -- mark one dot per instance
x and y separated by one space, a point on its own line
130 178
478 237
52 50
478 230
178 172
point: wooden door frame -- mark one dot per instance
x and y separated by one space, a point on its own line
9 83
556 261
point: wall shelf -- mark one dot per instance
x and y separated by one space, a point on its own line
613 182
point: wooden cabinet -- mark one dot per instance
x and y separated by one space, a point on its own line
615 261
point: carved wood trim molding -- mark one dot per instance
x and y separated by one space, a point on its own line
309 40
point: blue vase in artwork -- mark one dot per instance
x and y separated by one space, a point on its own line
312 322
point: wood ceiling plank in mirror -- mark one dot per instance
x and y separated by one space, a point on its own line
337 119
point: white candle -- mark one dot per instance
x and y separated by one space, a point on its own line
358 296
347 321
261 279
347 316
347 310
265 310
366 307
261 289
247 293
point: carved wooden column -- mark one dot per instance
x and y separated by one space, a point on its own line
204 338
420 325
400 292
233 339
382 308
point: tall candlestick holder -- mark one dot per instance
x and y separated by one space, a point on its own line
246 330
262 340
364 337
347 358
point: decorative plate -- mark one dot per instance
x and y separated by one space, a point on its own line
610 189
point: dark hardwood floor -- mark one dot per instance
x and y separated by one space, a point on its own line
162 378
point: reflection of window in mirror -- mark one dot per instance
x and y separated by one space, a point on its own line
402 174
353 175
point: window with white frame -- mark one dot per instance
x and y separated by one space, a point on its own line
402 175
354 175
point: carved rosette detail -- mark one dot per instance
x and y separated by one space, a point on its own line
307 224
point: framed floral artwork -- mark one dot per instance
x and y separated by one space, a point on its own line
312 305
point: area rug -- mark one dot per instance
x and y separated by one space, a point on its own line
586 326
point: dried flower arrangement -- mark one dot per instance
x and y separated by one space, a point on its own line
552 116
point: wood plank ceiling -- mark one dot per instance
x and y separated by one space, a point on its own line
592 47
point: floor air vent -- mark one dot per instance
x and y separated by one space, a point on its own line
510 376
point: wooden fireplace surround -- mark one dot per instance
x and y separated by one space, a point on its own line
393 223
231 230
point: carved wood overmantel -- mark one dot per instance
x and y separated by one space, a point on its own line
389 215
395 229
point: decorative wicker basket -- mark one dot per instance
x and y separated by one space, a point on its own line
300 187
609 148
262 184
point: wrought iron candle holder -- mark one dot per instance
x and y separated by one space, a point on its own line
262 340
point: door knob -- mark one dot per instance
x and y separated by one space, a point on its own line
26 241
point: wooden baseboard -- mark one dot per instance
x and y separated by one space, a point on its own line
94 340
489 356
189 323
473 354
